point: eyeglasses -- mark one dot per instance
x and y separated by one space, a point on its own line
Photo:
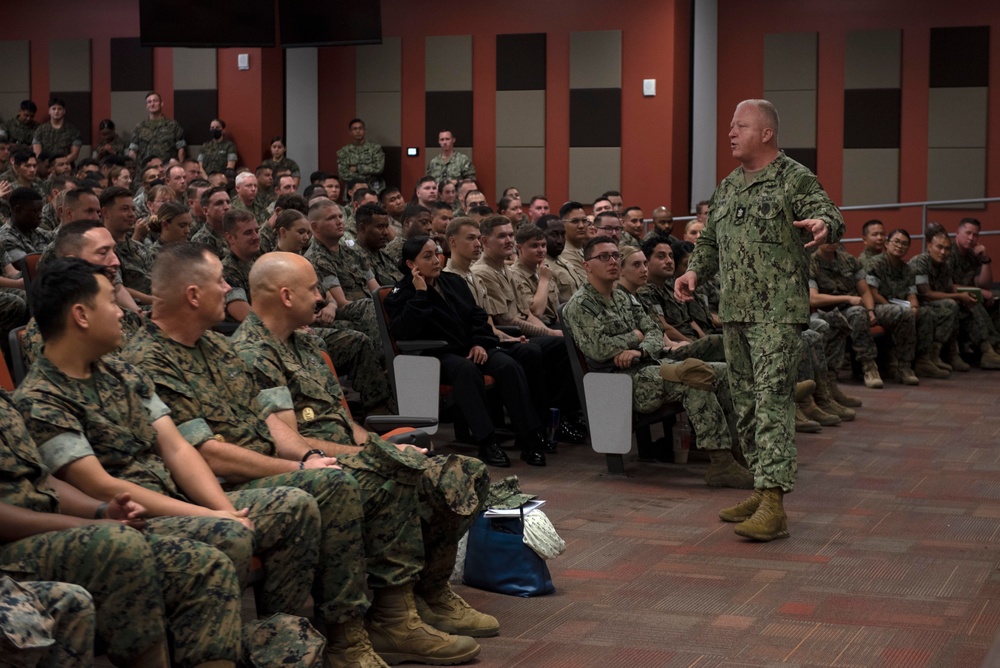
579 222
604 257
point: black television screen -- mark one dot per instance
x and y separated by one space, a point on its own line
330 22
206 23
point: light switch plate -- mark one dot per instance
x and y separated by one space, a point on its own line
649 87
243 61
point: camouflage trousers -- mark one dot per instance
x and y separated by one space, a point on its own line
937 322
142 586
762 358
708 349
285 537
812 361
360 314
337 542
902 327
452 491
975 323
650 392
28 639
13 309
360 357
851 322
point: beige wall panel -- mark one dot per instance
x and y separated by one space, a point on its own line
797 113
872 59
595 59
871 176
448 63
15 75
128 108
593 171
790 61
381 114
69 65
520 118
956 173
379 67
957 118
520 167
194 69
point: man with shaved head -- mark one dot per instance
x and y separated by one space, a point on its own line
762 220
452 488
247 432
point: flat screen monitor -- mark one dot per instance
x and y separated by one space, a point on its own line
330 22
207 23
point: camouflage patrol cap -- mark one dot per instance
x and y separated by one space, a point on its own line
693 373
507 493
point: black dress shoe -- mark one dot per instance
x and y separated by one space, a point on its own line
544 445
570 433
491 454
532 458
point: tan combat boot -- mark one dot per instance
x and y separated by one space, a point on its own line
447 611
725 471
347 646
926 368
804 389
826 402
804 425
905 374
935 356
872 377
398 634
955 357
835 392
743 510
990 359
769 521
815 413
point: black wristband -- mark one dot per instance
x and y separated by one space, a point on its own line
101 510
314 451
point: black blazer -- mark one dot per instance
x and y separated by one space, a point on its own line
425 314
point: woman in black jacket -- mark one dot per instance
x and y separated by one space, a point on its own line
429 304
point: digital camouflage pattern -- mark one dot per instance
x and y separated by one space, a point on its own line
974 322
110 417
383 266
760 256
237 274
117 145
349 270
866 258
936 321
840 276
56 140
604 327
45 624
131 322
965 266
628 240
136 264
19 133
458 166
212 392
284 163
214 240
161 137
16 244
257 207
368 161
216 155
13 309
451 489
678 315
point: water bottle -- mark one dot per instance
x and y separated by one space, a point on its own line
553 426
682 438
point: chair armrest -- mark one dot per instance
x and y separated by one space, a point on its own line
419 346
383 423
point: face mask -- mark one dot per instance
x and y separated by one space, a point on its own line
216 133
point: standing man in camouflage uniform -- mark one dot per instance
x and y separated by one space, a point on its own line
157 135
142 584
247 435
933 274
450 164
762 218
346 279
57 134
361 158
20 129
891 278
613 331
